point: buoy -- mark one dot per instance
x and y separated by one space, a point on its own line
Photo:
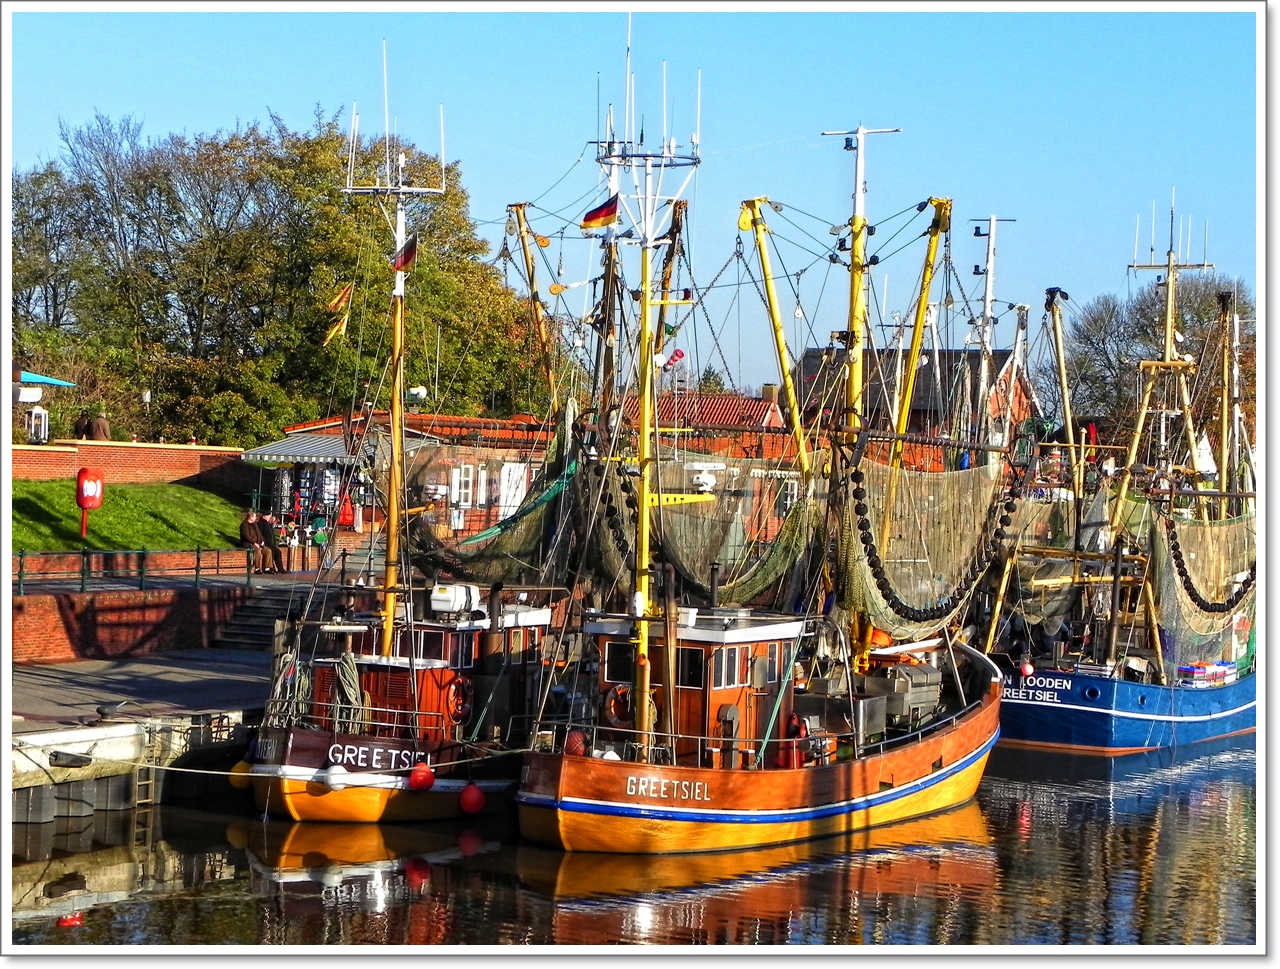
472 799
336 778
70 921
421 778
470 841
1027 669
237 834
575 743
241 776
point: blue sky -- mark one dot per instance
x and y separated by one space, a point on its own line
1071 121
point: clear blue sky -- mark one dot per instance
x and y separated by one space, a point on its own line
1073 123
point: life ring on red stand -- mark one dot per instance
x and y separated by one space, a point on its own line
458 699
617 706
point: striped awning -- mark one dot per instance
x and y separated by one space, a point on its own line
304 449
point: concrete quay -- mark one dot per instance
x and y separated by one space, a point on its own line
182 718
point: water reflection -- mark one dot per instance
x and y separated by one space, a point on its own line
1053 851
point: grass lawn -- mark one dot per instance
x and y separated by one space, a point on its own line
46 518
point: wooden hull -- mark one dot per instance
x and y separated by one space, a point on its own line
613 806
1087 714
293 782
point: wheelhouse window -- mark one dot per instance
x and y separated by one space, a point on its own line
462 650
729 667
690 668
773 663
619 662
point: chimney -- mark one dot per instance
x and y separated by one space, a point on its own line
769 393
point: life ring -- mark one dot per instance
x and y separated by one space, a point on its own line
458 699
617 706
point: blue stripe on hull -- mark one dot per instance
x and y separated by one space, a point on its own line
757 815
1079 710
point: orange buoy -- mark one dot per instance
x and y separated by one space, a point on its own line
472 799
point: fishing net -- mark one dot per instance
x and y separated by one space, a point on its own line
1042 591
1205 591
913 543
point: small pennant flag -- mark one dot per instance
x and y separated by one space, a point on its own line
602 215
403 258
342 300
338 329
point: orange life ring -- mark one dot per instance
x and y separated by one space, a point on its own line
458 699
617 703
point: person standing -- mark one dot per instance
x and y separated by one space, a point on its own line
82 425
251 537
100 430
267 523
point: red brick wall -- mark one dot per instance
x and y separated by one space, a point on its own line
62 628
125 462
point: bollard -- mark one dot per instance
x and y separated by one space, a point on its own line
342 574
142 570
22 571
84 569
248 568
197 566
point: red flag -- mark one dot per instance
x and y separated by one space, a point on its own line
403 258
339 302
602 215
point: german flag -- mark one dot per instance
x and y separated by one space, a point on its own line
602 215
403 258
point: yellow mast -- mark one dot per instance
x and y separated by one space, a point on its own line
645 364
539 320
753 218
1054 307
941 224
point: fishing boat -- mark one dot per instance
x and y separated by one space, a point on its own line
416 706
718 724
1134 592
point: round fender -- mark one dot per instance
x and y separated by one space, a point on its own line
458 699
617 706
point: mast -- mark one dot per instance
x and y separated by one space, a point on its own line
752 215
535 304
1053 297
1152 370
1224 428
615 156
396 188
854 336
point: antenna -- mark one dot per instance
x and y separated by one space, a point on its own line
442 161
1172 206
1136 227
697 133
664 102
386 109
351 145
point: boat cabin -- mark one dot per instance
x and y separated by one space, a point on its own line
718 691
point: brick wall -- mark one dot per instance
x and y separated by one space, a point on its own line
66 627
126 462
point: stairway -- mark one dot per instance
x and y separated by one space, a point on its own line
254 625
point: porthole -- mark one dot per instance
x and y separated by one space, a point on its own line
1142 701
1091 693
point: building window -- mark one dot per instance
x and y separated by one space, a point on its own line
482 487
464 478
788 493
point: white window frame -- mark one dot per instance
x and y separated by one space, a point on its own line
464 480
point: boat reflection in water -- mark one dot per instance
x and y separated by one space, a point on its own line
318 870
766 896
1156 847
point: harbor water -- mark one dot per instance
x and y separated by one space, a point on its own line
1157 850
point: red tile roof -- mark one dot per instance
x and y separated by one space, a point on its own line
723 410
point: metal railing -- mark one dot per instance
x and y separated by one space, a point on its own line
117 565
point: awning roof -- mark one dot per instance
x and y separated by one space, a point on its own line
27 377
304 449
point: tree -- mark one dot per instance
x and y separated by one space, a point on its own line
711 381
1108 337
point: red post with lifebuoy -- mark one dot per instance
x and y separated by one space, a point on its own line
89 489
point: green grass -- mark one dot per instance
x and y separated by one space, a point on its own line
46 518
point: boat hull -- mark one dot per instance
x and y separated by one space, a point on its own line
594 804
1085 713
294 780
